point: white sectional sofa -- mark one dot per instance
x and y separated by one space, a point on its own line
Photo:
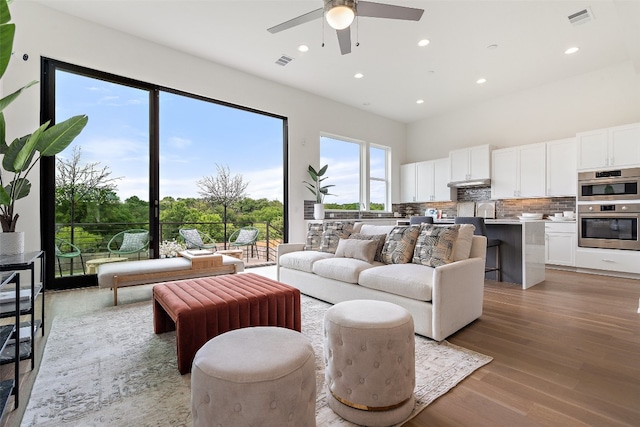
442 299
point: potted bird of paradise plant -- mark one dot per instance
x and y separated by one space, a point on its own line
318 190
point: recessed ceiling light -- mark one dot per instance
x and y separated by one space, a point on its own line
303 48
420 101
358 75
481 81
423 42
571 50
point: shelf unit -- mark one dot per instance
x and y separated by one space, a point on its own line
8 332
17 301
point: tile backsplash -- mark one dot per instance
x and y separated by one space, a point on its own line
509 208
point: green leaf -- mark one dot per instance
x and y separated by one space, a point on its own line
5 199
5 15
10 98
3 134
323 170
22 188
9 159
7 32
59 136
25 155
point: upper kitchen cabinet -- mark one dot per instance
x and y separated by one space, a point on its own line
562 175
611 147
425 181
408 183
470 163
518 172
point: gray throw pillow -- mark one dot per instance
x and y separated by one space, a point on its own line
435 245
363 250
380 238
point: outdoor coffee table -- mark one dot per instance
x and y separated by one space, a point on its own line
202 308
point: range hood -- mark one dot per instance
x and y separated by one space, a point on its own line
486 182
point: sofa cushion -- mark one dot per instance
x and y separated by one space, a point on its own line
333 232
364 250
375 229
302 260
380 238
314 237
409 280
401 241
342 269
435 245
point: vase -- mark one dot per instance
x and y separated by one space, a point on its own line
318 211
11 242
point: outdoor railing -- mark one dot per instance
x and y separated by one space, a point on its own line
92 239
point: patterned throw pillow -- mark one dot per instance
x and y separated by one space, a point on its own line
133 241
333 232
381 238
398 249
435 245
314 237
245 237
192 238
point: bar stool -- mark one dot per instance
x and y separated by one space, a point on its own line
481 230
415 220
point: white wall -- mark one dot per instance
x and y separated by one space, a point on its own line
607 97
42 32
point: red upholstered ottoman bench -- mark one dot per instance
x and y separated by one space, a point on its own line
202 308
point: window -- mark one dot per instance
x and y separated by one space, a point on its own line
359 173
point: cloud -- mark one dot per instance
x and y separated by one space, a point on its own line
178 142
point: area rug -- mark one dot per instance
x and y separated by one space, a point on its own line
108 368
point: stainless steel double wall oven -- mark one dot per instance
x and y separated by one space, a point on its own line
609 209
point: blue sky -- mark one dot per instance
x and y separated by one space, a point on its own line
194 136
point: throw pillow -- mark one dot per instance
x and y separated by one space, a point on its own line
314 237
333 232
245 237
192 238
133 242
381 238
435 245
401 241
364 250
464 241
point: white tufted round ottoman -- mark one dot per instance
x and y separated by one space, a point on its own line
369 353
254 376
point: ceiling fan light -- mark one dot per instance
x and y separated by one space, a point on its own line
340 16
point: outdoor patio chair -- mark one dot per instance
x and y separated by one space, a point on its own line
195 239
69 251
129 242
245 236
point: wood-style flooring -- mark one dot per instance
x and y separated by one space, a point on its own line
565 352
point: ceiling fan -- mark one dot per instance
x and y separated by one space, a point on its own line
341 13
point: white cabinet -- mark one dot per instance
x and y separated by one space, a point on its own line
470 163
611 147
560 243
426 181
408 183
518 171
608 260
562 175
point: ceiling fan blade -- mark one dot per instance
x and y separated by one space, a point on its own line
379 10
344 40
310 16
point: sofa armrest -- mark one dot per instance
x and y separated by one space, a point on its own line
458 291
285 248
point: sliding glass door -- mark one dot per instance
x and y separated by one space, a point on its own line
137 174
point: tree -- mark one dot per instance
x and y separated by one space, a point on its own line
76 182
224 190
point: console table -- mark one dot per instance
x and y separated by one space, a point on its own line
21 301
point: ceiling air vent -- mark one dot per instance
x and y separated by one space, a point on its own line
284 60
581 17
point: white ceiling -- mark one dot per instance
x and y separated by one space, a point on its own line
531 37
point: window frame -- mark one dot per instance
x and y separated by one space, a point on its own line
365 178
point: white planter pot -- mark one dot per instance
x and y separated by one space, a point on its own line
12 243
318 211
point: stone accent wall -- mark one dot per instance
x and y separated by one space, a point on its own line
308 213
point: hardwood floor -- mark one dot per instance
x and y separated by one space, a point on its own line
566 352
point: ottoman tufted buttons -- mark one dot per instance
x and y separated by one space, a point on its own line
206 398
274 404
237 407
368 342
